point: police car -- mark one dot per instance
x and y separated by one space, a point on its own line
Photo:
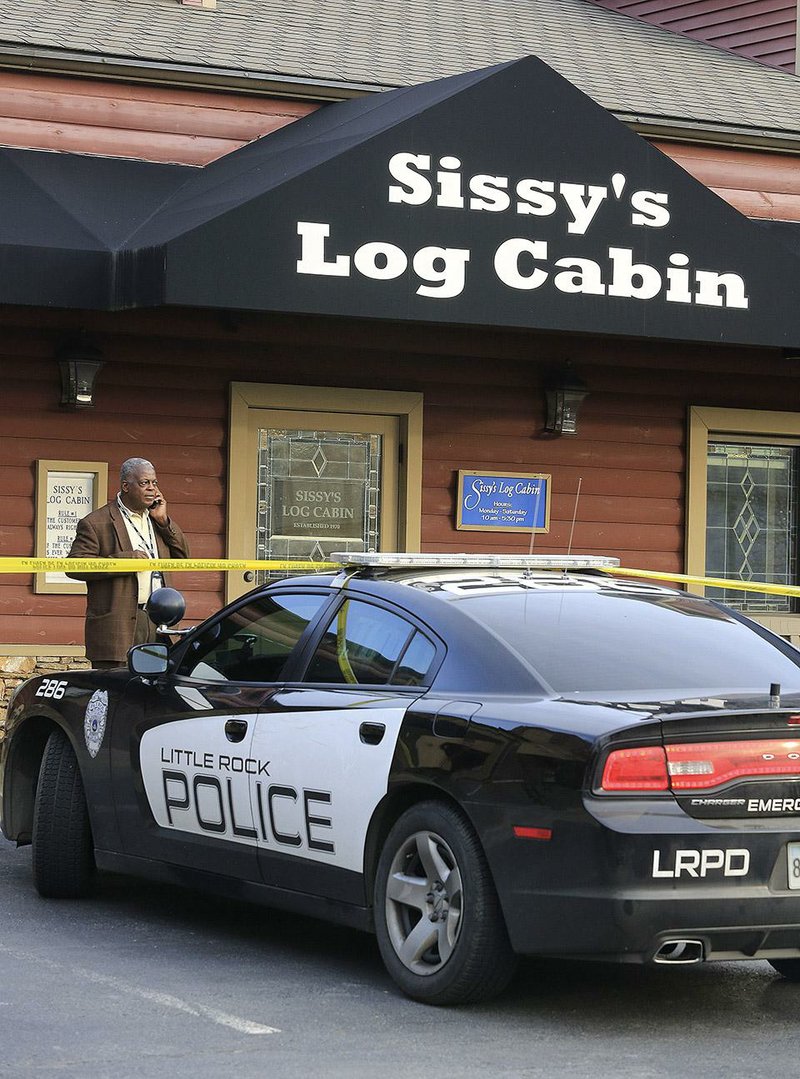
474 757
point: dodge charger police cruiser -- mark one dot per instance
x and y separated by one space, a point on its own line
475 758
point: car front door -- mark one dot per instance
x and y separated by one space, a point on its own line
330 741
183 760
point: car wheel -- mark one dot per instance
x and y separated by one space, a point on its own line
789 968
63 851
437 916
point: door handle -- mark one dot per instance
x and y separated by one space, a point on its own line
371 733
235 729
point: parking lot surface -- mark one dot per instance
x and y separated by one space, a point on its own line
147 981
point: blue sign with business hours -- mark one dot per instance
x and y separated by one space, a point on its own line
503 501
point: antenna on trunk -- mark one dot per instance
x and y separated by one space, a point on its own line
528 572
574 514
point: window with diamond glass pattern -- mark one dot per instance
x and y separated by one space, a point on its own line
318 492
751 522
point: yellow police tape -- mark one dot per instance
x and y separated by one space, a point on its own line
139 565
188 565
709 582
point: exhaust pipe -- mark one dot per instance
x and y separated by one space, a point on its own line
680 951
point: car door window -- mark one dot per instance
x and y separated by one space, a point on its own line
253 642
415 662
365 644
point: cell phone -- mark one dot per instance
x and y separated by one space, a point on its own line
155 502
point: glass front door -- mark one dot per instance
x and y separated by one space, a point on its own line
319 491
315 483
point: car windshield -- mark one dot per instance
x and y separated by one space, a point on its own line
612 642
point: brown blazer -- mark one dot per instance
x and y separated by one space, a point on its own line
111 597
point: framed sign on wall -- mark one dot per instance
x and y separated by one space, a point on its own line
65 492
503 501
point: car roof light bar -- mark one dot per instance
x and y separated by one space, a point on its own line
401 560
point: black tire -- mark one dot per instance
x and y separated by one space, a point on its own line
438 921
787 968
63 851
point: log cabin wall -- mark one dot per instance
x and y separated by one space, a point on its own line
164 390
756 183
150 123
163 394
194 127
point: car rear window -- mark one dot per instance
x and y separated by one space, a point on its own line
610 641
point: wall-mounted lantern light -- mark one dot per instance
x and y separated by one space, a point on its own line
564 393
79 363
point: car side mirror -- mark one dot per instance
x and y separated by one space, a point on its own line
166 606
148 659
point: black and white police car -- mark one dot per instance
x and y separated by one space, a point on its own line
475 757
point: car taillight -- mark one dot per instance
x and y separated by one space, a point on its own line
640 769
707 764
698 765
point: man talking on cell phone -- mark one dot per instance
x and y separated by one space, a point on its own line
135 524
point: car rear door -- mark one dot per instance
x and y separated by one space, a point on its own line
330 741
183 759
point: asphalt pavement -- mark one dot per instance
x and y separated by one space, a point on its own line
146 981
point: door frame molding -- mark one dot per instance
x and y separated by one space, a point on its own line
407 407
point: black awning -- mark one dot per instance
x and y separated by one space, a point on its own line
502 197
66 217
785 232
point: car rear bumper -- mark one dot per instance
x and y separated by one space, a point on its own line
636 930
620 887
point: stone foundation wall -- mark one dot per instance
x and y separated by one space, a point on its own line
15 669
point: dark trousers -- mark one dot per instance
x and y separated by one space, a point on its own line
144 631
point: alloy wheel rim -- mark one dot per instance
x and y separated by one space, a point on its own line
424 903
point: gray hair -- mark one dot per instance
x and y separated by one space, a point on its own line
131 467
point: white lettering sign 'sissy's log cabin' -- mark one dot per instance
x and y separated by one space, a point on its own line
519 262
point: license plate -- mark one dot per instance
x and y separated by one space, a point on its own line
793 865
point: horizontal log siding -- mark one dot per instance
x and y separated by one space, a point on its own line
759 185
163 394
190 127
194 127
763 30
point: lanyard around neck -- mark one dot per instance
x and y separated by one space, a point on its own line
148 542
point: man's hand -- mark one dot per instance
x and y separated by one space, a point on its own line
158 509
135 554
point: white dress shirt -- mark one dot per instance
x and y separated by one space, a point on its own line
140 531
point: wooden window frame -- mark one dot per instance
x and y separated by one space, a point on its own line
710 424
